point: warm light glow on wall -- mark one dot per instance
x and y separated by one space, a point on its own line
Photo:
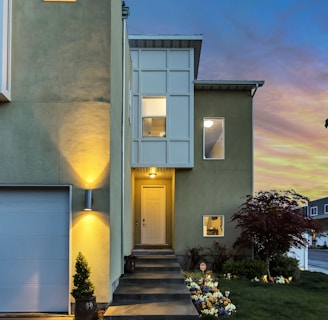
85 143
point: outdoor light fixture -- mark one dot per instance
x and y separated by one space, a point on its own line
88 200
152 175
125 10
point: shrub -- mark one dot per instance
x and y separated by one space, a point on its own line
249 268
282 265
220 255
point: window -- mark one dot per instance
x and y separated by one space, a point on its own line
213 226
213 138
325 209
5 50
313 211
153 116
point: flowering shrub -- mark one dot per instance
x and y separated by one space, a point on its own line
207 297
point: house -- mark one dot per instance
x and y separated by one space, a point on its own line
318 210
100 130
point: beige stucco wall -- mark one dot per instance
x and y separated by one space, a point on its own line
56 129
215 187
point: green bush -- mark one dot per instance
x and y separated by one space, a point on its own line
249 268
282 265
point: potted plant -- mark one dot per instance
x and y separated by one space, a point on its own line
85 301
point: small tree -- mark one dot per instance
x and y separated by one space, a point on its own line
272 222
83 288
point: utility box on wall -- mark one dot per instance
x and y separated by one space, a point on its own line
163 101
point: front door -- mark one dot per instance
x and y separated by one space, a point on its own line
153 214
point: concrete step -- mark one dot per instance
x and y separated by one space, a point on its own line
153 277
156 290
156 267
171 310
151 292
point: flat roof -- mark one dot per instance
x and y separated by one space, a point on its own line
216 85
175 41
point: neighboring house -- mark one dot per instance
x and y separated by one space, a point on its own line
98 133
318 210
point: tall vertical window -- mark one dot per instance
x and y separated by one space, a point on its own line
213 138
153 112
326 209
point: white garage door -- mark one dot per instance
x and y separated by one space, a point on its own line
34 249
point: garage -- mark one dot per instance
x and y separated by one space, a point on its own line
34 248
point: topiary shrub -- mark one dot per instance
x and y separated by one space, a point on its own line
83 288
285 266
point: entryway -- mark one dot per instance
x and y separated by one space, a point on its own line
153 206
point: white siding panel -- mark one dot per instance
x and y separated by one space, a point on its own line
153 82
179 152
153 59
153 152
179 124
179 82
179 59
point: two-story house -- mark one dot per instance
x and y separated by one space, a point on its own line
318 210
108 142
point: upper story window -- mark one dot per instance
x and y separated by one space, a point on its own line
213 138
325 209
153 111
313 211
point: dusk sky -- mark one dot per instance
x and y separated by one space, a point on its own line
285 43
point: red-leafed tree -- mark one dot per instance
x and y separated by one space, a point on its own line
272 222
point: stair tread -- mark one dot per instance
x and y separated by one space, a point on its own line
144 288
169 308
154 275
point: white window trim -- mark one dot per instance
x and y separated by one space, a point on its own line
223 139
315 209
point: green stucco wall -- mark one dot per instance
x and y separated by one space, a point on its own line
215 187
56 129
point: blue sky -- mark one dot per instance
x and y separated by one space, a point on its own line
285 43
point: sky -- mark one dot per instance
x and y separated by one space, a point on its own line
284 43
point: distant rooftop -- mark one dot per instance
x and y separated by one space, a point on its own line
169 41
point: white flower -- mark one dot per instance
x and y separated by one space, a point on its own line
230 307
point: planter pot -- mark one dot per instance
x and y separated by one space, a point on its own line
86 309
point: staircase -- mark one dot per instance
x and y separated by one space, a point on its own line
155 291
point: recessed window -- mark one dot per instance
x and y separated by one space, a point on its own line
313 211
213 226
153 116
213 138
326 208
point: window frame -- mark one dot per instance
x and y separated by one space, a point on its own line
315 209
325 208
205 232
155 116
222 142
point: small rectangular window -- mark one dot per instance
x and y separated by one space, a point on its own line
313 211
213 138
153 116
213 226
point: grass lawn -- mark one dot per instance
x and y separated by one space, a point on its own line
306 298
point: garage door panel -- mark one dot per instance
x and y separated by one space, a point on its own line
34 249
34 298
36 272
34 223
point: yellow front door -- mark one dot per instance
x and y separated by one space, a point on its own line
153 214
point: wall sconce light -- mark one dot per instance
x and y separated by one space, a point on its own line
88 200
152 175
